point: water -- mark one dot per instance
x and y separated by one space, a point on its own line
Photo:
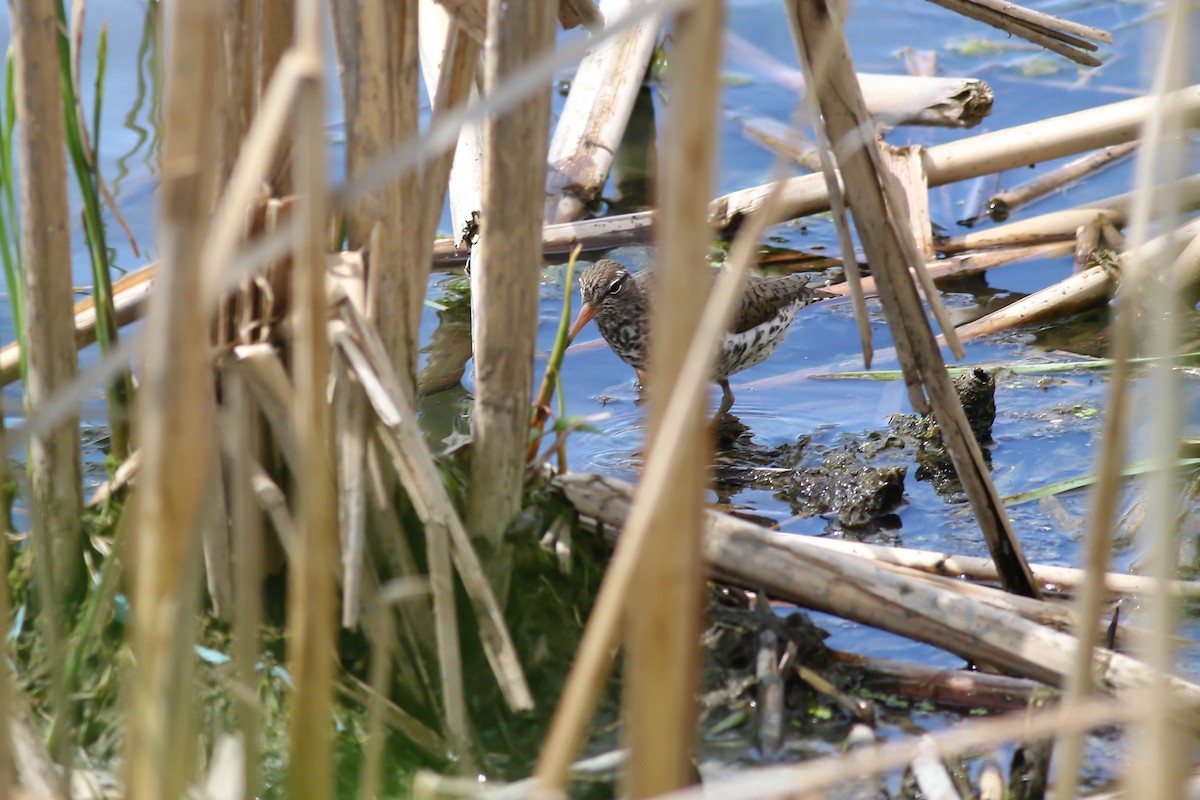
1045 429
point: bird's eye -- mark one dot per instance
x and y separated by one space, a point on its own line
615 286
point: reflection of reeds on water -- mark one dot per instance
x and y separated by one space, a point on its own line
276 426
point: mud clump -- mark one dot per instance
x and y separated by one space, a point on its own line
844 485
977 393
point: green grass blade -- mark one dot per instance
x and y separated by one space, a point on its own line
1014 368
118 392
9 232
1070 484
101 65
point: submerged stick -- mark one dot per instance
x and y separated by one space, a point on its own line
967 689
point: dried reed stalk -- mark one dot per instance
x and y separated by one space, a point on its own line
933 779
418 473
953 102
56 494
233 75
466 176
593 120
311 624
176 410
239 426
904 164
1066 38
377 46
233 72
996 151
837 204
951 565
265 139
1083 289
271 32
470 16
879 218
504 290
661 638
1062 225
897 601
460 57
984 154
350 422
357 420
597 649
573 13
1001 204
1150 297
970 264
129 296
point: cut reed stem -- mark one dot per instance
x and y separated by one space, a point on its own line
504 290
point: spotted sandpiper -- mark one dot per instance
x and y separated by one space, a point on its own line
620 301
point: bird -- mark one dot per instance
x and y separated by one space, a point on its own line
620 302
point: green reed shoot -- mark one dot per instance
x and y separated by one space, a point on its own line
10 254
541 406
87 175
10 232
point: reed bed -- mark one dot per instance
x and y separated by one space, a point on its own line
275 505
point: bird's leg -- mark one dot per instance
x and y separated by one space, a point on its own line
726 399
641 385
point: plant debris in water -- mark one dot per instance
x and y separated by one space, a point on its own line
977 393
860 483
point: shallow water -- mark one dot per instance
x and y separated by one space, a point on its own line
1046 428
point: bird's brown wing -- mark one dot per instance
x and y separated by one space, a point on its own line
766 296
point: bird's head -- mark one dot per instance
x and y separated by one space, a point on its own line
602 286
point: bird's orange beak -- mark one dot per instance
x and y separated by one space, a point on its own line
586 312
